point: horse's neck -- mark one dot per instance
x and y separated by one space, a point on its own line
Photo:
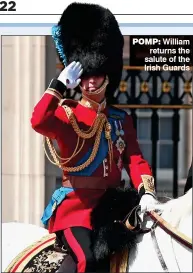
178 212
184 255
146 258
165 244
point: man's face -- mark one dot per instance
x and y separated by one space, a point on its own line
92 83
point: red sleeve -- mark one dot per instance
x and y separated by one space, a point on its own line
134 163
44 119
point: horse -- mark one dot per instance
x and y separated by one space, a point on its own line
143 257
177 257
16 237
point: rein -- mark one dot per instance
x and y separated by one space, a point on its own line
173 232
179 236
133 222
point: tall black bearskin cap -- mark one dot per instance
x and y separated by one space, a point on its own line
90 34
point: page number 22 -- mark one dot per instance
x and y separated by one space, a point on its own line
7 6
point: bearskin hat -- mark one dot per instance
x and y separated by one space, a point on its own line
90 34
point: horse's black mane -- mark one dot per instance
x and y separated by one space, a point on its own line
108 236
163 199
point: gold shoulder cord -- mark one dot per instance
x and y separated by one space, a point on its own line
96 129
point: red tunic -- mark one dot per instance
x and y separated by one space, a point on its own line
49 119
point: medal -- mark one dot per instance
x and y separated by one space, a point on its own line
117 132
120 144
121 130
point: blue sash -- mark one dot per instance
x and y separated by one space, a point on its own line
57 197
113 115
60 194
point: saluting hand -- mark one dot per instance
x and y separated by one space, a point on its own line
70 76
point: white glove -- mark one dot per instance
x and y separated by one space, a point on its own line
71 74
148 202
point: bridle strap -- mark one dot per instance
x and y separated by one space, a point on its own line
159 254
179 236
133 222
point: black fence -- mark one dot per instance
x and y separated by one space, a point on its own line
154 91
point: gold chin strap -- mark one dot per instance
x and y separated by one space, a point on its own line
100 89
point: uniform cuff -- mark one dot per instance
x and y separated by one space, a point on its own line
54 93
141 190
151 193
57 86
148 183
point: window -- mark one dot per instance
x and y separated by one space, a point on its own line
164 144
144 136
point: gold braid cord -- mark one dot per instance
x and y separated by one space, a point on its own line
100 123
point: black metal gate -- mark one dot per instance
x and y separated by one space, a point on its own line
155 90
